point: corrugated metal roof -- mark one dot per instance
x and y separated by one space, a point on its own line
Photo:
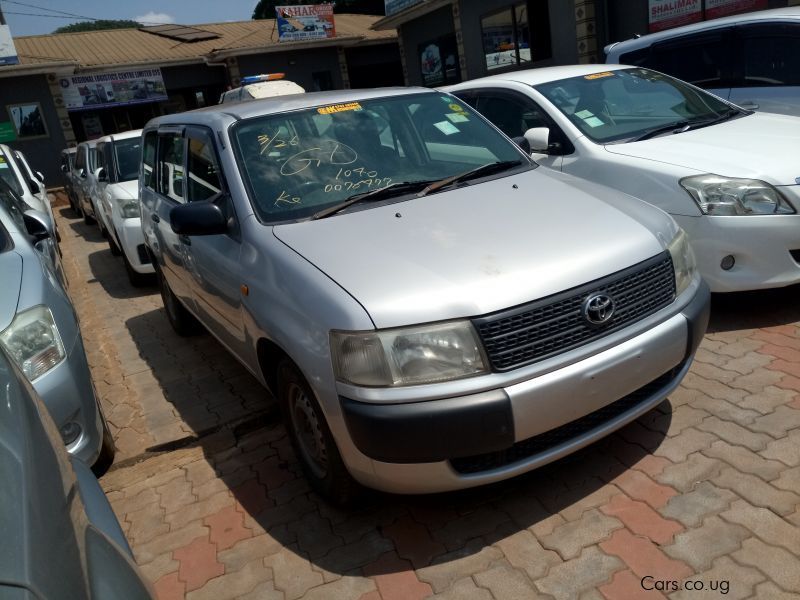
132 46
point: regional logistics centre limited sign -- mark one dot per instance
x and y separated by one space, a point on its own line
305 22
101 90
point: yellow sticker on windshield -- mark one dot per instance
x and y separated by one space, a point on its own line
599 75
456 107
335 108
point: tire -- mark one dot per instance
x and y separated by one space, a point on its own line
107 452
137 279
112 245
87 218
182 321
312 439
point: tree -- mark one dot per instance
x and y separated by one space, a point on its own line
98 25
265 9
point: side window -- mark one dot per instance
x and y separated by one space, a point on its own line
771 55
170 166
702 59
149 160
204 175
100 156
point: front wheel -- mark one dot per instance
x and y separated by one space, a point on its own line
312 439
182 321
137 279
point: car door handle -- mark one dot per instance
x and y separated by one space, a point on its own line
155 218
185 239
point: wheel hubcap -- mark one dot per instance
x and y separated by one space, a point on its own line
308 430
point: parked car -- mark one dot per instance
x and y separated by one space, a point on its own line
118 202
727 175
261 86
62 539
85 177
67 167
16 172
39 330
751 59
431 310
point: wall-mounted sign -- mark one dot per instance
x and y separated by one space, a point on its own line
27 120
438 61
7 132
305 22
113 89
395 6
720 8
8 53
92 126
666 14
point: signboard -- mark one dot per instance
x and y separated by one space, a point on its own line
305 22
101 90
7 132
8 53
666 14
720 8
395 6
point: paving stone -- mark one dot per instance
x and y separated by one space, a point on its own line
767 399
758 492
198 561
770 591
693 507
765 524
594 499
671 424
727 411
266 591
625 585
292 574
168 542
641 519
357 554
726 578
199 510
505 582
776 563
464 589
641 487
169 587
678 448
569 579
643 557
785 449
396 579
413 541
735 434
448 568
699 546
243 552
748 363
569 539
789 480
745 460
481 522
314 535
233 585
758 380
524 551
778 423
226 527
159 567
686 475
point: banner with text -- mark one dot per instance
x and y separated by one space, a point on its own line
666 14
395 6
721 8
8 53
305 22
101 90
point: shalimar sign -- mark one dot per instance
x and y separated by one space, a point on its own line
305 22
666 14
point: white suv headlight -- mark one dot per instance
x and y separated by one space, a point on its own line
129 208
33 342
408 356
727 196
682 261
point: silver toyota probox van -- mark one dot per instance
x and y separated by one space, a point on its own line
430 309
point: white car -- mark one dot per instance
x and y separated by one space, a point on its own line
28 185
730 177
117 195
84 174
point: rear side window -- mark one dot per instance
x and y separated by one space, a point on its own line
770 55
170 166
205 180
149 160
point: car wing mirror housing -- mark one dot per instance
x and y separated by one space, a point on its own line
39 175
523 143
538 138
101 175
38 225
198 218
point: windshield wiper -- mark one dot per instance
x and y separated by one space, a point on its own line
486 169
676 127
394 189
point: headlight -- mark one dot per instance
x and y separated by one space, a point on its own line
682 261
717 195
33 342
408 356
129 208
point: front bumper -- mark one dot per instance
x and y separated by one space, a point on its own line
465 441
68 393
131 242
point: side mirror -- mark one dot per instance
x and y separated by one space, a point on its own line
100 174
34 186
64 168
39 175
538 139
523 143
38 225
198 218
82 173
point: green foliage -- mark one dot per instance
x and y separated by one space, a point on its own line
265 9
98 26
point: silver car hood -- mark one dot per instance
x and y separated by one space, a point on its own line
480 248
11 268
760 146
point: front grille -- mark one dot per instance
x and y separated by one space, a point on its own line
535 331
543 442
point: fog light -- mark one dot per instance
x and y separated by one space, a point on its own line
70 432
727 263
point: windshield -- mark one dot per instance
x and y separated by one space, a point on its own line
7 174
298 163
626 104
127 156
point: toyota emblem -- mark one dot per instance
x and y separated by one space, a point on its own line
598 309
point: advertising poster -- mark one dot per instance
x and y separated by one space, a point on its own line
101 90
721 8
666 14
395 6
8 53
305 22
27 120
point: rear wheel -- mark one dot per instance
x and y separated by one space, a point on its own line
312 439
182 321
137 279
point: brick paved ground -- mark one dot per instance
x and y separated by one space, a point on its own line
705 488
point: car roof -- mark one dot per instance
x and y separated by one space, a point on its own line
279 104
119 136
791 12
539 75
